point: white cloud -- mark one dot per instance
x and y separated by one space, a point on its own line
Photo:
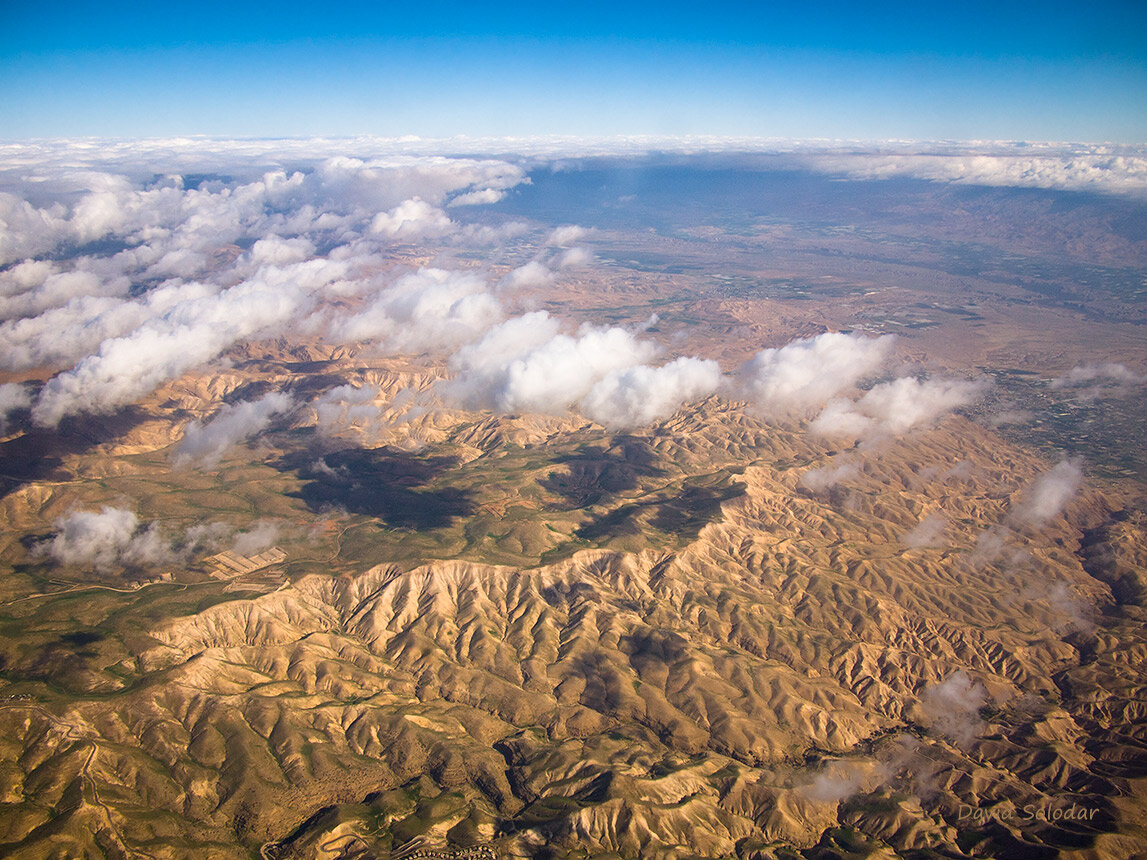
532 274
640 395
828 476
56 290
566 235
13 396
1048 494
1078 170
929 532
893 408
262 536
574 258
412 219
953 705
347 406
804 374
428 310
190 332
1092 380
65 334
475 198
277 251
525 364
25 230
206 444
104 539
114 537
128 367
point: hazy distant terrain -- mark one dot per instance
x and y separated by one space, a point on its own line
370 499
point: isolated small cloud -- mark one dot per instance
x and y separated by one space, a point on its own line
475 198
114 537
207 444
566 236
806 373
838 781
641 395
574 258
1048 494
105 539
929 532
1090 381
532 274
893 408
262 535
826 477
952 707
995 545
1078 613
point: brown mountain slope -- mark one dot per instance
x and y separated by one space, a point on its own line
803 674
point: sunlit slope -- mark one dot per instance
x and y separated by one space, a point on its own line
712 652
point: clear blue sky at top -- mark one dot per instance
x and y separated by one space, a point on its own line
846 70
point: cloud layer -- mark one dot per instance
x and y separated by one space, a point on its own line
123 277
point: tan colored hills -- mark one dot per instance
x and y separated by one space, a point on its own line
685 651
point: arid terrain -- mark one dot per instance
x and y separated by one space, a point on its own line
500 506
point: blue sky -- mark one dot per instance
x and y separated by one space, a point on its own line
1047 71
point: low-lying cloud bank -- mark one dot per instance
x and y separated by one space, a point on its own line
123 278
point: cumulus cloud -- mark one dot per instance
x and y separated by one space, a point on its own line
532 274
427 310
104 539
277 251
114 537
806 373
207 443
566 236
892 408
168 287
527 364
26 231
128 367
473 198
1048 494
574 258
952 707
640 395
412 219
66 334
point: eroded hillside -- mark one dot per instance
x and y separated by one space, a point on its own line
745 658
